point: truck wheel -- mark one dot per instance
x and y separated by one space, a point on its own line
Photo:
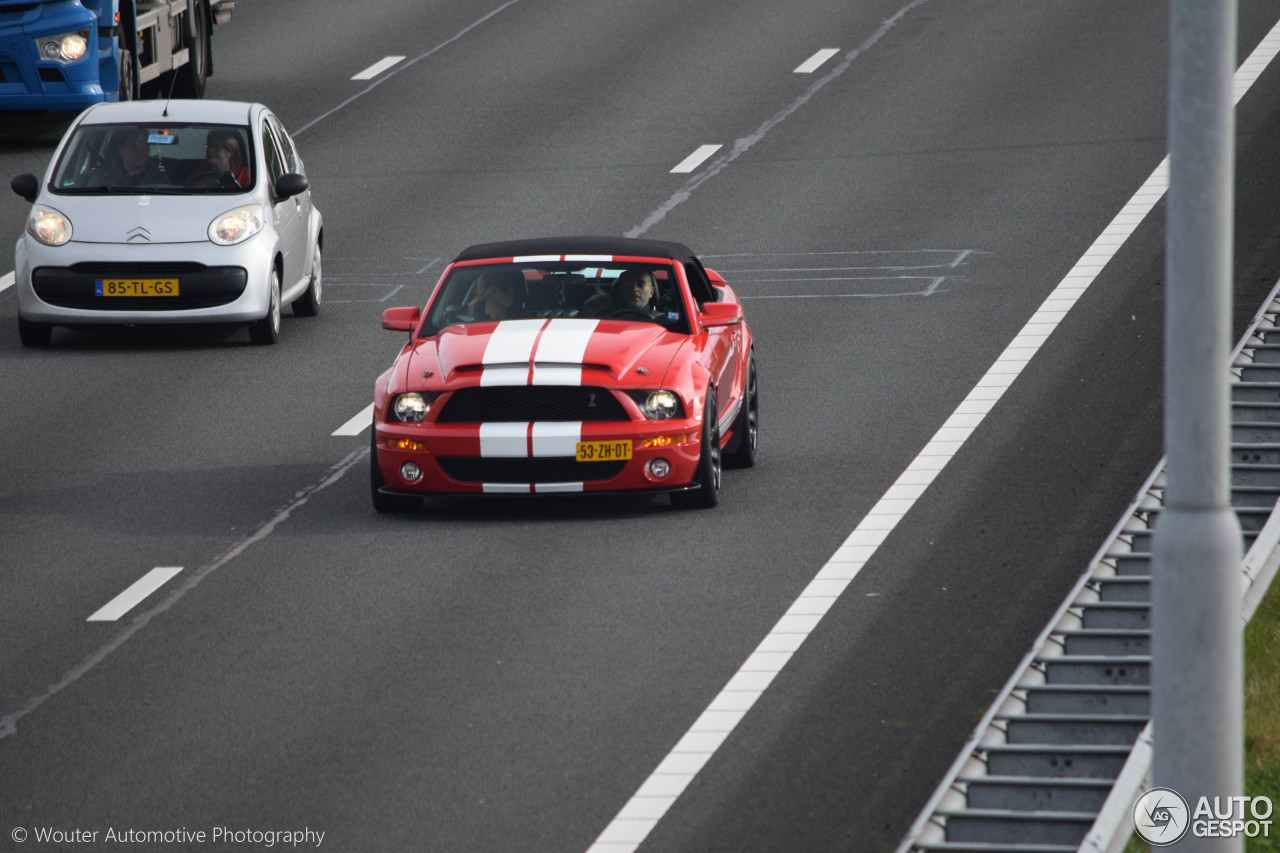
128 77
189 79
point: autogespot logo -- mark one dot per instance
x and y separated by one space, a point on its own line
1161 817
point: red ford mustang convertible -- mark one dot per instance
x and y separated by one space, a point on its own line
567 365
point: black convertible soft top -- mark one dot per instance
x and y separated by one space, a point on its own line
578 246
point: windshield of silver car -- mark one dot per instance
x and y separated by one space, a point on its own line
147 158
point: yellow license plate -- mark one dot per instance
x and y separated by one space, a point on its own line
136 287
603 451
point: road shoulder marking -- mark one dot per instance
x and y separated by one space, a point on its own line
816 61
135 594
378 67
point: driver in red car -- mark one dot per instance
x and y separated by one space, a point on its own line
633 289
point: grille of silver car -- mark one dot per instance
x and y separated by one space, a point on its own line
199 286
524 403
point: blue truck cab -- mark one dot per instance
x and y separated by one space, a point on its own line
64 55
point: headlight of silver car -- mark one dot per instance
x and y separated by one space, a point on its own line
64 47
236 226
660 405
412 407
48 226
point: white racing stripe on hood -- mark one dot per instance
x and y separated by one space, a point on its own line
556 438
511 343
560 352
504 439
547 488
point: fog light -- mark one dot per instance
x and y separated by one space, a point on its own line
411 472
659 468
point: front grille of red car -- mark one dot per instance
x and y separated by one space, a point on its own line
531 470
524 403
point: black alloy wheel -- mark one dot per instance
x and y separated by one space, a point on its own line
707 495
741 453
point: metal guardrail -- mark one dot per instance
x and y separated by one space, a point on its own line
1057 762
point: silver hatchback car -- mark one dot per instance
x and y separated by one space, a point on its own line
180 212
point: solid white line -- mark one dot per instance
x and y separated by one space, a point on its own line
673 774
378 67
7 280
695 159
134 595
358 424
814 62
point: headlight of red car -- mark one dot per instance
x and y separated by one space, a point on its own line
658 405
411 407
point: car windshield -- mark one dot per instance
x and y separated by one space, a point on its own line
633 292
147 158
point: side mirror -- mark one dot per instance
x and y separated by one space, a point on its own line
715 278
401 319
290 185
716 314
26 185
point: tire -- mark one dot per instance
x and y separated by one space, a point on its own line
267 330
34 334
189 80
308 304
741 453
128 77
707 495
386 504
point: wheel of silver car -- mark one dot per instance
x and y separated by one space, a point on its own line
267 330
746 426
308 304
707 494
34 334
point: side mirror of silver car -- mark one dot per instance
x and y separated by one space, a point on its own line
26 185
291 184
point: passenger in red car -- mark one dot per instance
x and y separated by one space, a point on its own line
498 296
633 289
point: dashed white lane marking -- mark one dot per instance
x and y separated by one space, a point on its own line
695 159
357 424
378 67
135 594
814 62
674 773
9 722
7 280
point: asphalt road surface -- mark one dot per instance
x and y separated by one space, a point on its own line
506 675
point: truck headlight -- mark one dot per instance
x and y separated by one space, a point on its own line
64 47
236 226
48 226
